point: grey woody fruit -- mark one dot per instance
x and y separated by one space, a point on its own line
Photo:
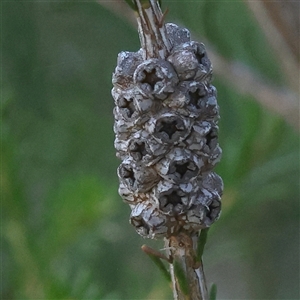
166 116
156 78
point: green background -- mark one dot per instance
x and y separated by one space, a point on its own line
64 229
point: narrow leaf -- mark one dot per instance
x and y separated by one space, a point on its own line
213 292
181 277
156 257
201 243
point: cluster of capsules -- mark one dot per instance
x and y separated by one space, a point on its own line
166 115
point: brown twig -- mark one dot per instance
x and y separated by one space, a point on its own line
274 27
279 100
285 16
152 31
182 252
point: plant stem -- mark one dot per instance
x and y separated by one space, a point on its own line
152 31
187 273
188 279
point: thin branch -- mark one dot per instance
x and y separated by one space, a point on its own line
286 18
280 100
152 31
263 12
187 272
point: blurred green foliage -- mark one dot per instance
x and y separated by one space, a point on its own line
64 229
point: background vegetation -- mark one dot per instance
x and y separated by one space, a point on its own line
64 229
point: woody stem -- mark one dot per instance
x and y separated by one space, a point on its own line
187 274
152 31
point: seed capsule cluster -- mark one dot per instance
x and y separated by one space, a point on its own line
166 115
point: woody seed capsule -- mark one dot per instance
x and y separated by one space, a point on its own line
166 116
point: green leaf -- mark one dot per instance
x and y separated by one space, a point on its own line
201 243
158 262
181 277
213 292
